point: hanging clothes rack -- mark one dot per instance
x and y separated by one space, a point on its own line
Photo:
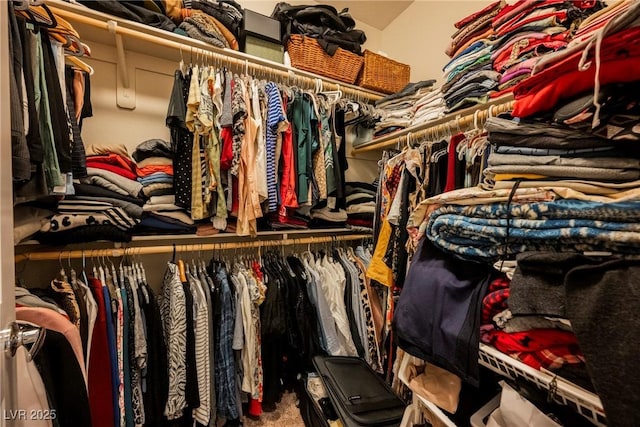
231 58
165 249
458 121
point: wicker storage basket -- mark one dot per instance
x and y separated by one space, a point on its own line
307 54
383 74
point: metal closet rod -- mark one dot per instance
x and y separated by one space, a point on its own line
230 57
440 127
164 249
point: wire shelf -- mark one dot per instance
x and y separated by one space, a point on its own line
403 375
564 392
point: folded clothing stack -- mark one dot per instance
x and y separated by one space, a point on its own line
430 107
106 204
361 205
468 77
328 218
201 26
228 14
563 75
597 20
154 171
522 329
527 31
80 221
109 166
498 47
397 110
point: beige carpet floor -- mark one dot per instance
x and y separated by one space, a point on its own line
286 414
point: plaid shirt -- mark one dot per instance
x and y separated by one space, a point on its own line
225 367
539 348
494 303
551 358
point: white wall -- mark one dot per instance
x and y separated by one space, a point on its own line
420 35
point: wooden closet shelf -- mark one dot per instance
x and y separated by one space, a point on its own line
149 245
164 44
457 121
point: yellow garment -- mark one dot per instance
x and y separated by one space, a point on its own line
173 9
378 270
512 176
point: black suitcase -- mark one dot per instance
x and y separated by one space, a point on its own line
310 407
360 397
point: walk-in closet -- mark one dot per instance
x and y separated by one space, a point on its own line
324 213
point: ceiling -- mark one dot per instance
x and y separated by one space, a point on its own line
377 13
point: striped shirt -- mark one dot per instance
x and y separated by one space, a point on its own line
174 319
274 117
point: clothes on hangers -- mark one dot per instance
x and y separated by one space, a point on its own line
219 341
47 146
264 137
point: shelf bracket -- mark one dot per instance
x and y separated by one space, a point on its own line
125 89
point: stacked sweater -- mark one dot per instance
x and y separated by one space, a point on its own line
327 217
110 167
468 77
106 205
497 47
527 31
361 205
430 107
397 110
155 173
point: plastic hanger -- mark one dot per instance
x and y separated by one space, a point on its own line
40 15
